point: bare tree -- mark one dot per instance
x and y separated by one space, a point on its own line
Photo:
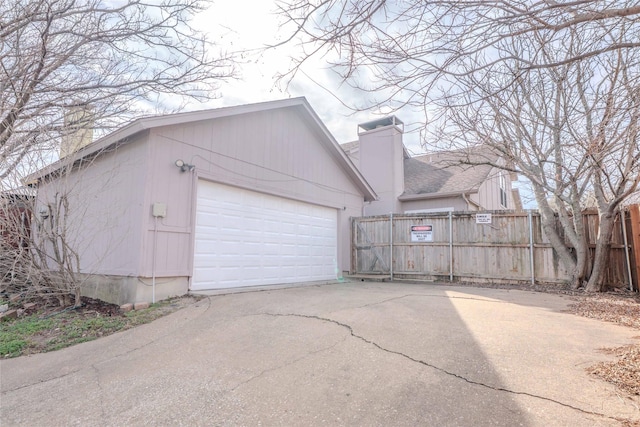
50 266
71 70
15 224
572 130
116 57
55 241
552 86
432 38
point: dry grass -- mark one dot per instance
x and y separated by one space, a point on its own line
624 372
623 309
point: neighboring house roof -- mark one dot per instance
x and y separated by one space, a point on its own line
124 134
446 173
443 173
350 146
19 192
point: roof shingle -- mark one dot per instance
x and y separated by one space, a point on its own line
447 172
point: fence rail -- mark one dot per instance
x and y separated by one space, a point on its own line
493 246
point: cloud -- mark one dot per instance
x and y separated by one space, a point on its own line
246 27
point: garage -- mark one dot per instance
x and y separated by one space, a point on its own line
248 238
239 196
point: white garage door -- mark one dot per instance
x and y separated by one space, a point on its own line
245 238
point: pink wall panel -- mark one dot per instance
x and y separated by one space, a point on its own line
105 201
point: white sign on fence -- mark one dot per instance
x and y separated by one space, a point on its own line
422 233
484 218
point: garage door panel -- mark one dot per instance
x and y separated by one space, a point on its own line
246 238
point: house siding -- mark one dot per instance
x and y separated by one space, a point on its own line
105 203
457 203
488 195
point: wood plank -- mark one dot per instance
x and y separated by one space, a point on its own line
634 211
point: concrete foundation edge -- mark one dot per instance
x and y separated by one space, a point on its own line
122 289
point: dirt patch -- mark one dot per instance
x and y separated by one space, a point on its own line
92 307
43 326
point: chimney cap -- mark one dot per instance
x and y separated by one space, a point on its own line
384 122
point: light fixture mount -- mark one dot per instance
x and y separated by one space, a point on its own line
184 166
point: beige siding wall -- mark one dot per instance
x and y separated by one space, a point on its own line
103 222
488 195
457 203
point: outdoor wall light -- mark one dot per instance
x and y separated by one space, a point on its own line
184 166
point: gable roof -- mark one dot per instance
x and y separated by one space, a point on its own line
124 135
446 173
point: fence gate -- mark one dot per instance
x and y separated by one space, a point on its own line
370 247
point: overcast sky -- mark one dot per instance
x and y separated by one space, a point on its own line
250 24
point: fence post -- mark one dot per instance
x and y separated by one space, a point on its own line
623 219
634 211
450 246
354 242
391 246
531 249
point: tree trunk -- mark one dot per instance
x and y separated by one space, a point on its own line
581 273
574 263
77 298
601 258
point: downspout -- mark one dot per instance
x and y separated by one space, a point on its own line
469 202
391 246
450 246
363 207
153 261
531 249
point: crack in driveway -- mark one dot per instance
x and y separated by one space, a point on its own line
43 381
292 362
437 368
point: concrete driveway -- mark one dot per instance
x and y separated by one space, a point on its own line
340 354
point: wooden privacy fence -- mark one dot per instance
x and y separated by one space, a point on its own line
493 246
